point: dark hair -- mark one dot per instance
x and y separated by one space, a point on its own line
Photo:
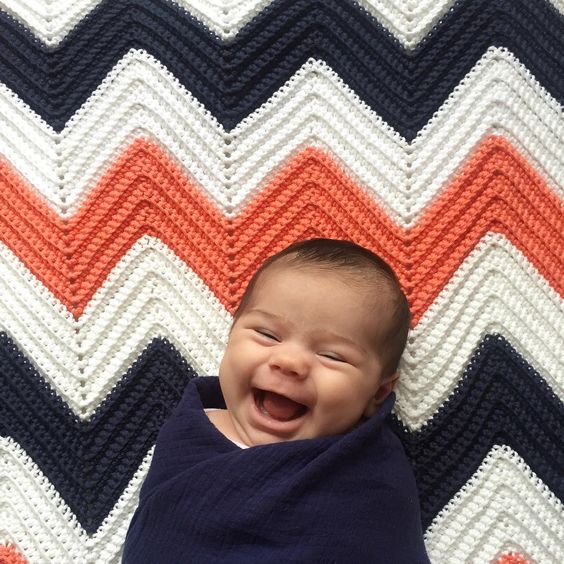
357 262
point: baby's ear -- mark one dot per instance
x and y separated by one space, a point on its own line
386 387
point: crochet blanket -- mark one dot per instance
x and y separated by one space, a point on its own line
154 152
345 498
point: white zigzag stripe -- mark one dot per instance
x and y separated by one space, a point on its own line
409 22
558 4
51 21
140 98
495 290
150 293
45 530
503 506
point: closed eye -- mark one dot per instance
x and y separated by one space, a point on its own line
332 356
266 333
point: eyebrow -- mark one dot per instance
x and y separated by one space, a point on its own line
324 332
261 311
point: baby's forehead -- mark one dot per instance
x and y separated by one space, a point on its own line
356 279
367 287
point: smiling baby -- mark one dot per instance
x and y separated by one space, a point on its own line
314 345
286 456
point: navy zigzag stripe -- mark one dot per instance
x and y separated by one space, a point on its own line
500 400
91 462
233 79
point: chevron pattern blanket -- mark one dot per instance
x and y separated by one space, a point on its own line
154 152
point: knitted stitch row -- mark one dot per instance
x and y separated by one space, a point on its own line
154 153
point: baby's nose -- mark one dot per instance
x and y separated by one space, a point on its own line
290 361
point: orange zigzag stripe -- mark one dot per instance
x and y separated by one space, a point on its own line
145 192
9 555
511 558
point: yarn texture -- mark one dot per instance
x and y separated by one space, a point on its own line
154 152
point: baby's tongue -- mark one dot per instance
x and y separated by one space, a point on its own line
280 407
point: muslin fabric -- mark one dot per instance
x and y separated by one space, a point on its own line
343 498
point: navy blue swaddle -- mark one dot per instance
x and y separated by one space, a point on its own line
344 498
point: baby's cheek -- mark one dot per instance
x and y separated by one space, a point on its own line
336 404
346 401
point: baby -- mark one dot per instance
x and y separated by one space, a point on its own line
314 346
306 380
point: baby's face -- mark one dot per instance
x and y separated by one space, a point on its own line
301 361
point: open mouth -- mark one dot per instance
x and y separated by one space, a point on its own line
278 407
